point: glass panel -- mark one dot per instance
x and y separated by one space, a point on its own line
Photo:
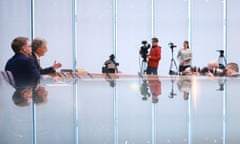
16 120
133 25
171 26
15 21
172 110
233 20
95 33
54 113
16 116
232 112
53 22
95 110
207 30
134 122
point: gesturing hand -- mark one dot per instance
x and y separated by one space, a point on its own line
56 65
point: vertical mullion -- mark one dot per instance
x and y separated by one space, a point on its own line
115 44
32 35
190 98
225 49
75 83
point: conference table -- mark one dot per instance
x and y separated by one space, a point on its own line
90 108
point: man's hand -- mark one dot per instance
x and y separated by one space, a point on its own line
56 65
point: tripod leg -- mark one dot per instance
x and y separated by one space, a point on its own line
175 64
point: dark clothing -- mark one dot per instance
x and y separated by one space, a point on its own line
110 66
23 69
183 68
42 71
152 70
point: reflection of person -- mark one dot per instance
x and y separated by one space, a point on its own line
39 48
144 90
155 88
185 85
185 57
231 69
154 57
21 65
40 95
22 96
110 65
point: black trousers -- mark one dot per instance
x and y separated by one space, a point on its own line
183 68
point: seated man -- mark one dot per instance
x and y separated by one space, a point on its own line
21 65
39 48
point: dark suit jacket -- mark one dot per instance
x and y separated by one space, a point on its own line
42 71
23 69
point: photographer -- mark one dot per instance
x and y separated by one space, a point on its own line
231 69
185 57
110 65
154 57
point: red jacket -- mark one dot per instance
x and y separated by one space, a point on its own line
154 57
155 87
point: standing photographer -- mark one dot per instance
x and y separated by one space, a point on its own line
185 57
154 57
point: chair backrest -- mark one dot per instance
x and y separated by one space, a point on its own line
7 75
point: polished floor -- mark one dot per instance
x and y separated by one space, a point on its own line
123 110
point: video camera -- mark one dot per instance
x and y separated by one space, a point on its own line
172 45
144 50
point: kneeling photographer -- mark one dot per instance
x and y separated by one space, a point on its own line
230 70
110 65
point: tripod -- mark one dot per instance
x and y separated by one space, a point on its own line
172 65
143 67
172 93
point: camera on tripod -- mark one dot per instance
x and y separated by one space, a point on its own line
173 65
172 45
144 50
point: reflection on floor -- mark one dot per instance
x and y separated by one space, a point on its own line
96 108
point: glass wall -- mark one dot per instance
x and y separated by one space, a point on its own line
207 30
15 21
171 25
53 22
134 24
95 33
112 26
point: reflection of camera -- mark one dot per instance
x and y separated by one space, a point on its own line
172 45
144 50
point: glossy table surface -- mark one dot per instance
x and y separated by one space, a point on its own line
123 110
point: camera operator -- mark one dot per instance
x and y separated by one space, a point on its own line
185 57
110 65
154 57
